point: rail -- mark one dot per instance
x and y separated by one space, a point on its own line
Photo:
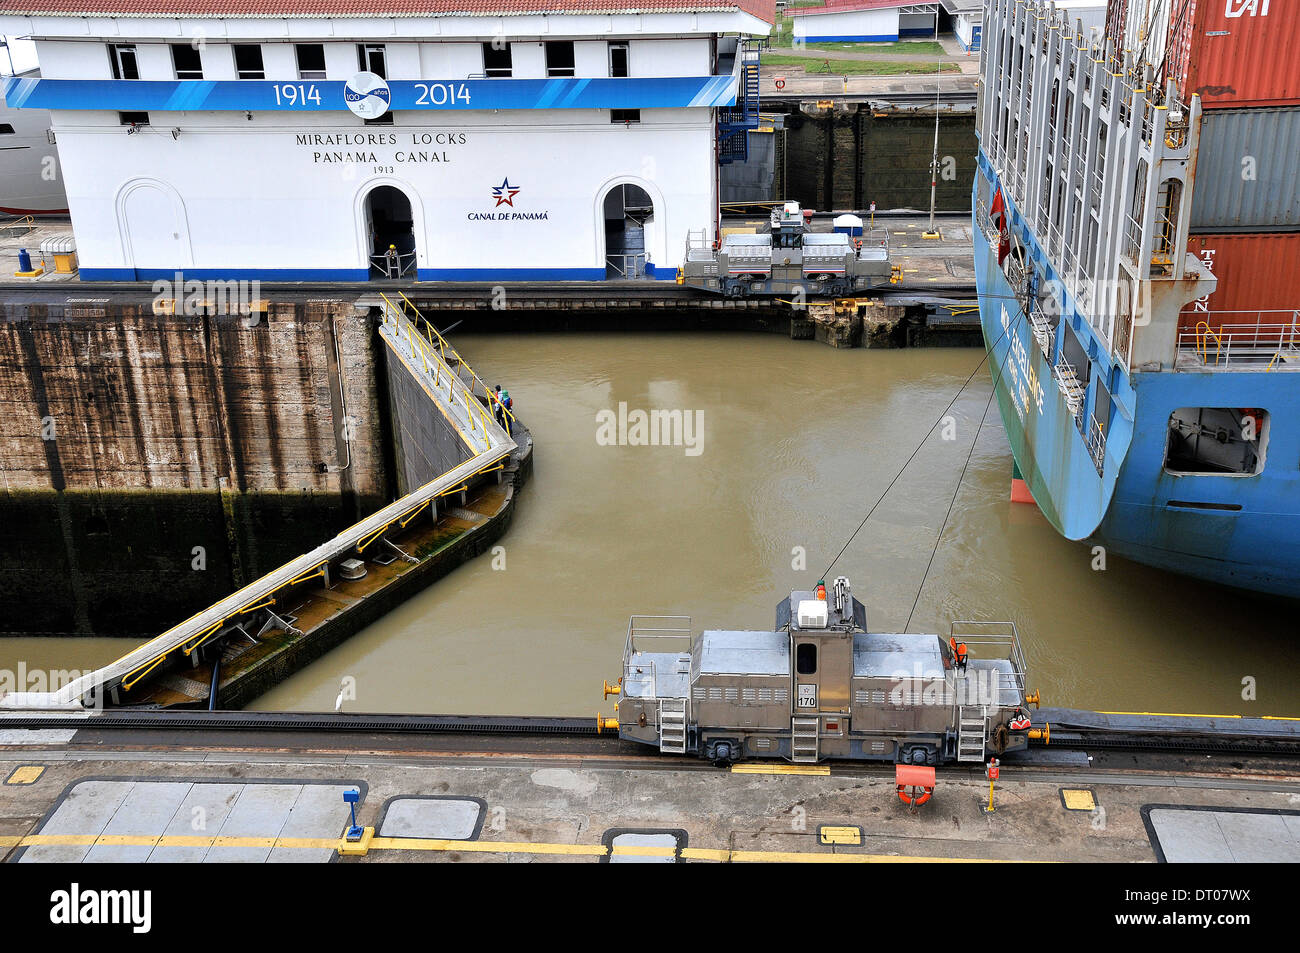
261 595
429 338
1227 339
632 265
994 640
669 634
394 266
24 221
1096 441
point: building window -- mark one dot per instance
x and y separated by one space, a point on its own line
559 58
311 60
133 119
373 59
248 61
385 120
186 62
618 59
121 57
625 115
496 62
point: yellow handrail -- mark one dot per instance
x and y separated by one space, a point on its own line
1203 331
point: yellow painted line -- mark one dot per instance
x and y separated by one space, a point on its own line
1279 718
817 769
26 774
482 847
706 853
793 857
632 851
486 847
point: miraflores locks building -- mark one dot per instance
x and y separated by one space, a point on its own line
304 139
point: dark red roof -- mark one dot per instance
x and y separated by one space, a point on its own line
763 9
851 6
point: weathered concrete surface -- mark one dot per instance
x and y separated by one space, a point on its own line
836 328
846 157
151 464
556 808
880 325
99 398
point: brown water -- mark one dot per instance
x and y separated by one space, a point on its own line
799 440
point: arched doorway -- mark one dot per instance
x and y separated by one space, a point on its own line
154 228
628 209
390 233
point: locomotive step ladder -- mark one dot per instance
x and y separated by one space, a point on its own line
972 733
804 732
672 725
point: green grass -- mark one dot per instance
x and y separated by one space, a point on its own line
811 65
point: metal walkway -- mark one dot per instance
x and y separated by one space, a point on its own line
438 368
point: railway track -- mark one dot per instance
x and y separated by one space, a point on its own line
1069 731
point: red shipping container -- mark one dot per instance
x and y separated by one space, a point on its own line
1257 271
1236 52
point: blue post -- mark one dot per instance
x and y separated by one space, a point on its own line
352 796
24 260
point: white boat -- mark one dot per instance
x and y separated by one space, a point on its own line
31 182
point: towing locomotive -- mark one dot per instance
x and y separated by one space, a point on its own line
788 259
819 685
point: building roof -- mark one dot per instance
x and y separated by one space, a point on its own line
852 6
265 9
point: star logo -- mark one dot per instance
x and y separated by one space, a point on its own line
505 193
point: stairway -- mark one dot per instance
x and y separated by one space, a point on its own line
672 725
803 738
972 733
1068 381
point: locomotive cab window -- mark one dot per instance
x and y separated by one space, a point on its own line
1224 441
805 658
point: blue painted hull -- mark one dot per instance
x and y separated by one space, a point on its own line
1243 531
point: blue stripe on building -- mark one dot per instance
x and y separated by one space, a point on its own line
131 95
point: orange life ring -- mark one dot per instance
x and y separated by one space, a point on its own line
912 801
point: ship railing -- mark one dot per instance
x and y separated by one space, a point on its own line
1225 339
1096 440
986 224
394 265
997 641
652 634
1067 379
1042 330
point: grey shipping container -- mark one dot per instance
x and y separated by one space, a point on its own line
1248 170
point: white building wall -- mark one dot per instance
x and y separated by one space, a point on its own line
218 61
684 57
591 58
249 197
341 60
403 60
859 24
528 60
73 60
280 60
451 60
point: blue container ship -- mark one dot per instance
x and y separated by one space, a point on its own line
1139 419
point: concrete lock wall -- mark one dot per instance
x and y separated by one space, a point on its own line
153 464
757 178
849 158
425 445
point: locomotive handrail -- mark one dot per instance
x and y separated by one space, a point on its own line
672 629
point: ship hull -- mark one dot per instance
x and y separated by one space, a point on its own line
1236 530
